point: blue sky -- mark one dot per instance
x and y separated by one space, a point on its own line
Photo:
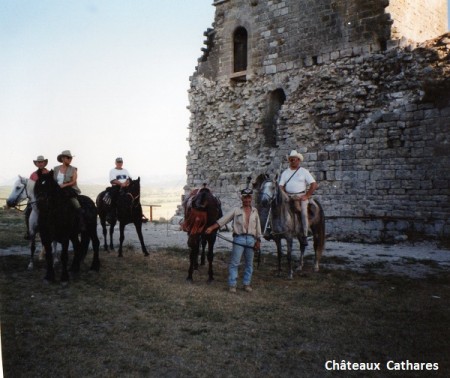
102 78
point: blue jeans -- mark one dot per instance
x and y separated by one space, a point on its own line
244 245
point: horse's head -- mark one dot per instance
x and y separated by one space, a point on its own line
19 192
202 199
267 192
134 188
45 186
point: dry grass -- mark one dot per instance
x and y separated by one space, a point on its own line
138 317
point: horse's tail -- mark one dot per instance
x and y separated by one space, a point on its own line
319 231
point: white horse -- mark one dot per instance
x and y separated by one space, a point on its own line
24 189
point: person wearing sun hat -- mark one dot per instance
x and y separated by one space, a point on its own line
246 239
66 176
300 185
40 163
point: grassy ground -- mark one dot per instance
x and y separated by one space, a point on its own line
139 318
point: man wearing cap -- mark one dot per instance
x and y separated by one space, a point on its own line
119 178
300 185
246 239
40 163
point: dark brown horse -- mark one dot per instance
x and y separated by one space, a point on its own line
58 221
275 211
201 210
128 210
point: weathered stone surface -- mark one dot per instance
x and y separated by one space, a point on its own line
372 121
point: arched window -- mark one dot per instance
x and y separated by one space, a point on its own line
240 49
276 101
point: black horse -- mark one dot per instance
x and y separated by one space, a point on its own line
59 221
201 210
127 210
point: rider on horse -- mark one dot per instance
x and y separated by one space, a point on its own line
40 163
119 178
294 181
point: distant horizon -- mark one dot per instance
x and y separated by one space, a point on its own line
166 181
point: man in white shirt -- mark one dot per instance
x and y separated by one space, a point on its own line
299 185
119 178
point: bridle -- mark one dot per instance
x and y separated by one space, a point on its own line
24 189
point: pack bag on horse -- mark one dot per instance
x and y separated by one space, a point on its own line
281 218
126 209
59 221
201 210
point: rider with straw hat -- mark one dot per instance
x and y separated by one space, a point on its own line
295 181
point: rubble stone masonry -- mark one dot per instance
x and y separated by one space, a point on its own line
367 106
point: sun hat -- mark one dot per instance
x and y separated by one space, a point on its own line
119 160
295 154
39 159
64 153
246 192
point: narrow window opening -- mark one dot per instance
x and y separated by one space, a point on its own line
240 49
276 101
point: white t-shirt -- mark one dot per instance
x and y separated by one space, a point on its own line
118 174
298 183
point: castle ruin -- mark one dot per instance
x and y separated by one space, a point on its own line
360 87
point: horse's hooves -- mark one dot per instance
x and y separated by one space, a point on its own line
210 281
189 280
47 281
146 254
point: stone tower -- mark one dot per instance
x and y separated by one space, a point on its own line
360 87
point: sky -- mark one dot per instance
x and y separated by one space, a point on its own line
101 78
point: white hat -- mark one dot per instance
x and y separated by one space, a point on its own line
296 154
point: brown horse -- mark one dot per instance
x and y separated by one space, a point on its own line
201 210
276 212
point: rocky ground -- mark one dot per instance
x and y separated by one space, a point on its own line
413 260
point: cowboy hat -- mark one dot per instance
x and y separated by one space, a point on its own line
64 153
295 154
39 159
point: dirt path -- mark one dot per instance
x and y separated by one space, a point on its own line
413 260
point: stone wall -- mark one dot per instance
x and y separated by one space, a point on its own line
373 125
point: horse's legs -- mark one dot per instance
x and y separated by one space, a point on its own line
193 244
95 247
32 250
65 260
104 231
111 233
50 273
302 253
279 253
289 258
121 237
317 251
204 242
211 239
138 226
